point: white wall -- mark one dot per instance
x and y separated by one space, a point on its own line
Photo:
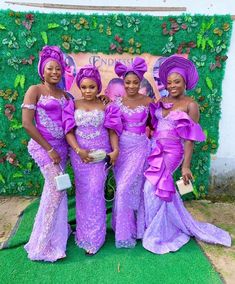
224 160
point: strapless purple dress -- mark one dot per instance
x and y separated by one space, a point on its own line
128 212
50 231
169 224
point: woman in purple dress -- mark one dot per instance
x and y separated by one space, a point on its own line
90 125
134 146
175 120
43 103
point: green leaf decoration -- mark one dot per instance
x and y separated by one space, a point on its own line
195 192
209 83
119 23
17 80
15 124
52 26
29 166
44 37
2 27
18 175
2 179
22 81
210 43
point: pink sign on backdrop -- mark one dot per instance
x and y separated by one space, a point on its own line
112 85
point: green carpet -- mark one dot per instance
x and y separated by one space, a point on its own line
110 265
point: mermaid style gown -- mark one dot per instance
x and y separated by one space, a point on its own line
51 230
169 224
128 212
91 131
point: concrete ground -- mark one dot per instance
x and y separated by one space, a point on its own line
220 214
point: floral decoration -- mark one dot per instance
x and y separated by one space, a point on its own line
205 40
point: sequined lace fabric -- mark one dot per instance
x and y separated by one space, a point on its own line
128 212
90 180
169 224
50 231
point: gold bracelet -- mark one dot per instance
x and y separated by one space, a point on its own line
77 150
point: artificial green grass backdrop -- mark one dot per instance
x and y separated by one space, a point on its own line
109 265
204 38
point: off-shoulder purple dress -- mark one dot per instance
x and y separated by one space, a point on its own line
91 131
50 231
128 212
169 224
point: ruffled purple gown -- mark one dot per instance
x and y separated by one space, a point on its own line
128 212
50 231
169 224
91 133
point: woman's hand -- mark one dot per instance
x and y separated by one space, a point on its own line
55 157
113 156
104 99
186 175
84 155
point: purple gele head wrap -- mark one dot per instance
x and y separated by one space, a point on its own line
89 72
139 67
50 53
182 66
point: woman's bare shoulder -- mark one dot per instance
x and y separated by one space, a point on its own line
33 92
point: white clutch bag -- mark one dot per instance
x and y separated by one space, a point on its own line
97 155
62 181
184 188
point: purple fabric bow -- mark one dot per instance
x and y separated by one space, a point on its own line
49 53
89 72
139 67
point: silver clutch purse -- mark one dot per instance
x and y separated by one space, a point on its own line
97 155
62 181
184 188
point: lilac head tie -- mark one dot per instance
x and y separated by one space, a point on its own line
89 72
182 66
49 53
179 71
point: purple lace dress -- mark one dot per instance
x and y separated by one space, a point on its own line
169 224
50 231
91 133
128 212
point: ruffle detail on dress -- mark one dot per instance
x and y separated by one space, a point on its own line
113 118
159 176
186 128
68 117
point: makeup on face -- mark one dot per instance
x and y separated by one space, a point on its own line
89 89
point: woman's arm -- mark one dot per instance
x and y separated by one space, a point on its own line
30 99
114 141
72 141
193 112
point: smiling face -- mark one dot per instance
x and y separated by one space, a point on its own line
131 84
89 89
52 72
175 85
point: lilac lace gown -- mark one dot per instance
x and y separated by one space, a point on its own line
50 231
169 224
91 133
128 212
